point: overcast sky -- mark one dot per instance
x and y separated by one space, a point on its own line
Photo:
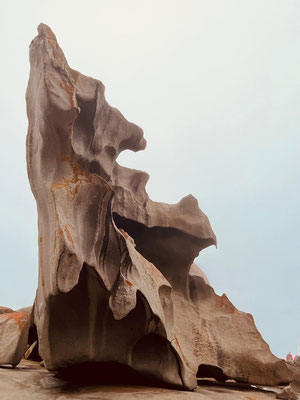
215 86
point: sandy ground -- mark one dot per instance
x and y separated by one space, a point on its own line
29 381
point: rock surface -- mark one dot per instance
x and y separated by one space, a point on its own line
5 310
297 361
31 382
115 288
288 393
294 367
27 309
14 327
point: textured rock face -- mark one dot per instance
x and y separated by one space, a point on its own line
30 381
5 310
288 393
14 327
115 286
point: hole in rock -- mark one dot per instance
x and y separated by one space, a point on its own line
211 371
85 339
154 356
108 373
32 337
94 168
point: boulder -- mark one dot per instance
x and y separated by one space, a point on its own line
117 295
14 329
296 380
297 360
5 310
288 393
27 309
32 353
294 368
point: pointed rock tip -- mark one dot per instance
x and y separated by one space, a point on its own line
45 31
189 202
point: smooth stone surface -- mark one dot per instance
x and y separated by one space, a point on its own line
14 329
29 381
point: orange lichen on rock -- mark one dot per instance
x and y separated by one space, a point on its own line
14 328
20 318
69 237
128 283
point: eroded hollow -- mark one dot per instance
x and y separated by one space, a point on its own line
108 373
211 371
154 356
170 250
83 131
82 319
33 337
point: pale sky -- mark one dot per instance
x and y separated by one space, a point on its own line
215 86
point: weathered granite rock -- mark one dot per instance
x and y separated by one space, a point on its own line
27 309
294 367
196 271
115 290
297 360
5 310
32 353
29 381
14 327
288 393
296 381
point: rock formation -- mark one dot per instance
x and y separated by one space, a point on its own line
14 328
115 291
5 310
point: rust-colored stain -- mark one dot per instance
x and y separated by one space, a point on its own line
251 398
66 159
68 87
70 186
41 239
73 183
68 235
124 233
20 318
128 283
58 233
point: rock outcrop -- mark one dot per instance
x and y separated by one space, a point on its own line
288 393
14 328
115 290
5 310
294 367
29 381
